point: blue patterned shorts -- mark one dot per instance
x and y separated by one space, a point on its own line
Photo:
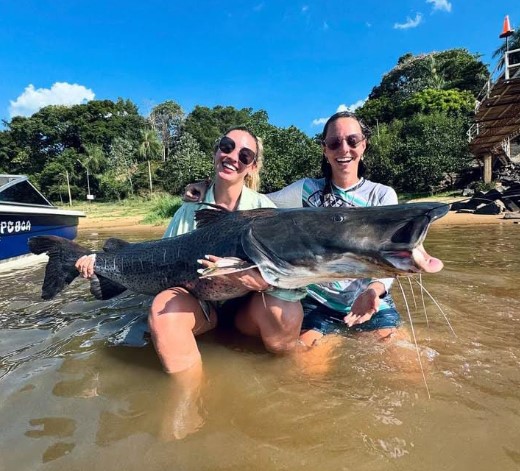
317 316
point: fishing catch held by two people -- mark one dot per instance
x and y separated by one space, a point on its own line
292 248
282 249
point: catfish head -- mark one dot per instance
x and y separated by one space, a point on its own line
296 247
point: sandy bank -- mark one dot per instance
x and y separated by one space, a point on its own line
133 223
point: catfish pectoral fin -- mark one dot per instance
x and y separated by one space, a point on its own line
225 266
103 288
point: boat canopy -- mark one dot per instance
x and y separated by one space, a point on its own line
16 189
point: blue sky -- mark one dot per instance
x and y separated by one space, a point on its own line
298 60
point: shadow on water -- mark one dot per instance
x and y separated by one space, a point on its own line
72 401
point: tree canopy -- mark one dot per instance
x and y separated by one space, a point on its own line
420 113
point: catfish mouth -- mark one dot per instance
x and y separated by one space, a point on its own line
413 261
406 252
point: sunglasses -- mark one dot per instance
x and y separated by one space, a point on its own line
352 140
245 155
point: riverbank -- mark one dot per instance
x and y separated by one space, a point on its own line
121 221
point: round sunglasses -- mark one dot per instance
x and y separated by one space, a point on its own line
245 155
352 140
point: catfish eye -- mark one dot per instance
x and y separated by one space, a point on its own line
338 218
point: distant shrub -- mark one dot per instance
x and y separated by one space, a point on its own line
163 209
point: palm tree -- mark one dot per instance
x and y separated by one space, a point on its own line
149 149
92 161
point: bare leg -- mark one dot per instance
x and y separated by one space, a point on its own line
175 319
276 322
316 360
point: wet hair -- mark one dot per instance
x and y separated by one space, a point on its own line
326 169
252 179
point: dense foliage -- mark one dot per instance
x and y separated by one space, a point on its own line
419 113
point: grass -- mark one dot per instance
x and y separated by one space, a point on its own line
163 210
156 210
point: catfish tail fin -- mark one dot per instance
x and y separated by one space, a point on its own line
60 269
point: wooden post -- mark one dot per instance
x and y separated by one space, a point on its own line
488 161
68 187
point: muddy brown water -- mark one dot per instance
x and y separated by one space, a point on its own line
69 401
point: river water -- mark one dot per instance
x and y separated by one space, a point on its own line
70 401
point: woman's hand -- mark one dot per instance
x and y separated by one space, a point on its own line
195 192
366 304
85 265
250 279
363 309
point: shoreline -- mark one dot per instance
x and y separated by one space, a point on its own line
133 223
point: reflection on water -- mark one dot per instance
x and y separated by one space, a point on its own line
71 401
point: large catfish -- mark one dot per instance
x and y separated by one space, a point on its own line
291 247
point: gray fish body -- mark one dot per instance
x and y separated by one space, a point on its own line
291 247
151 267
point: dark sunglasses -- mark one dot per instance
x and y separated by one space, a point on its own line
352 140
245 155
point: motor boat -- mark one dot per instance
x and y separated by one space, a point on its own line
25 212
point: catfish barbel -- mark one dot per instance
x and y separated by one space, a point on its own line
291 248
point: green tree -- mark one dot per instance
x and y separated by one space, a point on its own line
93 160
289 155
149 149
122 169
452 102
61 177
186 165
206 125
377 110
166 120
380 156
454 68
430 149
41 138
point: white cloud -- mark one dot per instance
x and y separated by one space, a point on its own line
442 5
352 107
342 107
409 22
319 121
61 93
325 26
305 8
259 7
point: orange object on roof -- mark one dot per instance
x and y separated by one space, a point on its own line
506 30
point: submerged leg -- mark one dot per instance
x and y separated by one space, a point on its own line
175 318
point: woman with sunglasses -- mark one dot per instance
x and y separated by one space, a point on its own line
176 316
360 304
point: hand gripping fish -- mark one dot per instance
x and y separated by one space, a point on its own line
291 248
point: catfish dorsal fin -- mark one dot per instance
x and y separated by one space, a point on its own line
204 217
113 244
